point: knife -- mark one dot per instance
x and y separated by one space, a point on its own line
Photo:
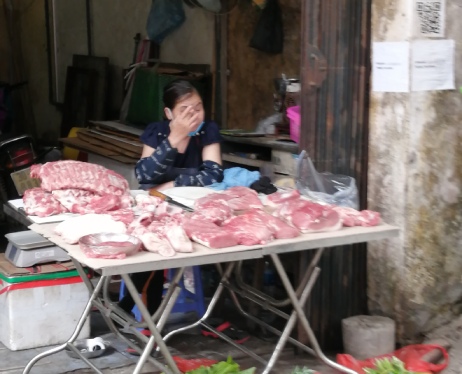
168 199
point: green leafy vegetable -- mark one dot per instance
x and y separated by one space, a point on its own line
223 367
388 366
303 370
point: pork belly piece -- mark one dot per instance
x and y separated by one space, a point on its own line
207 233
352 217
60 175
249 229
213 208
308 216
243 198
279 228
41 203
85 202
326 220
280 197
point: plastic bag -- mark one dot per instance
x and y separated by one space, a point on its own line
410 355
164 17
325 187
185 365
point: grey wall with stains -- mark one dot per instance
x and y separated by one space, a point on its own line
415 181
114 25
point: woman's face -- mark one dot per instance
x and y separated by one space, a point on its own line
195 102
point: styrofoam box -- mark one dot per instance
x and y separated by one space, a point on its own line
41 315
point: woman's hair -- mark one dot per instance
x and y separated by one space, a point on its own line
176 90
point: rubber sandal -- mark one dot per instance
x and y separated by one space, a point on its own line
232 332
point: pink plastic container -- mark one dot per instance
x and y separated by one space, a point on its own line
293 114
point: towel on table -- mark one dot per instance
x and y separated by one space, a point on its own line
234 177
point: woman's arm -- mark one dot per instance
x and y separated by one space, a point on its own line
210 171
152 166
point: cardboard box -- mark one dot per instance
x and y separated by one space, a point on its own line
40 309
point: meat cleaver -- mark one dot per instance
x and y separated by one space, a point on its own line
168 199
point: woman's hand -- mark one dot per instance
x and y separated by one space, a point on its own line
182 125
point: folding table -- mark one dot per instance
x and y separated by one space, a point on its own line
232 257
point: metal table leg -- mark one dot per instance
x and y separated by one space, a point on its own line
298 306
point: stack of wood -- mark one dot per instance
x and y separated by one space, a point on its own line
102 138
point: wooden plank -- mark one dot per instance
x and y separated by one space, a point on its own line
83 146
115 140
105 144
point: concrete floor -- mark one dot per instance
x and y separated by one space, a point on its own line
116 360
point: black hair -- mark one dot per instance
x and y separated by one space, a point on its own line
176 90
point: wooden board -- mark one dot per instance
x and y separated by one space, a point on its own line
123 143
251 72
88 137
83 146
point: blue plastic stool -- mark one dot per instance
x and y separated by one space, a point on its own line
186 301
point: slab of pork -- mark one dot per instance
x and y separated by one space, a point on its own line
242 198
207 233
278 227
41 203
249 229
60 175
353 217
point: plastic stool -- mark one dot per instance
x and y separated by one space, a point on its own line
186 301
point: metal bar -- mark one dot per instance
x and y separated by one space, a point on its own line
301 316
216 296
154 332
291 322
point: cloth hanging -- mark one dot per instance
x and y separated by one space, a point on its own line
164 17
269 35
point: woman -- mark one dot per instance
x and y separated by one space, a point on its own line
183 151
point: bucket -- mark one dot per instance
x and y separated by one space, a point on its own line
293 114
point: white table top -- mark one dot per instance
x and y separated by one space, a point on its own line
146 261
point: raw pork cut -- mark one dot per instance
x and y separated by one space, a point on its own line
147 203
38 202
154 243
243 198
60 175
214 207
207 233
178 239
308 216
249 229
353 217
278 227
315 221
123 215
280 197
85 202
72 229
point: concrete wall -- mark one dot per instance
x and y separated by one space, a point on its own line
415 177
114 25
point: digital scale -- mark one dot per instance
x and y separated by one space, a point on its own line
27 248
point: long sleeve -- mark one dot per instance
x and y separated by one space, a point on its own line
209 172
152 169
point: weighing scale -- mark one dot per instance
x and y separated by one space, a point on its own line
27 248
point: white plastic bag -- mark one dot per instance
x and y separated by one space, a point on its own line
325 187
